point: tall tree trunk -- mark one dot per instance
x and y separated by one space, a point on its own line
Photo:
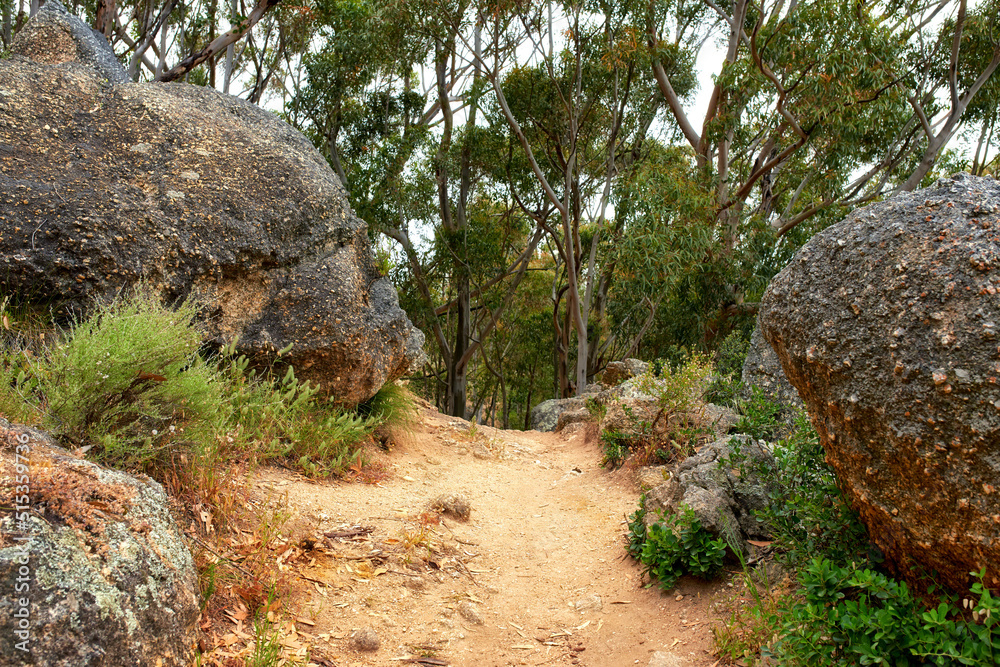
7 9
104 21
230 53
213 11
457 381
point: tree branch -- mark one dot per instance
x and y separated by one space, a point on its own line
220 42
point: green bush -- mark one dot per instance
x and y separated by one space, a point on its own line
857 616
393 412
637 529
760 417
846 611
124 376
675 546
616 447
129 382
807 514
729 358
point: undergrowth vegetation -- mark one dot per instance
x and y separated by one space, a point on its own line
674 546
841 607
132 387
672 428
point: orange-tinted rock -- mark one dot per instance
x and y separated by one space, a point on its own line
886 325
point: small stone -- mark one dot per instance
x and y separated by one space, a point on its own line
418 584
664 659
454 504
470 613
589 603
365 639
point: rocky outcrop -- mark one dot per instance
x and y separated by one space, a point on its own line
762 369
110 580
545 415
104 183
886 323
618 372
724 502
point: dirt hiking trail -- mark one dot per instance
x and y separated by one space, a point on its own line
537 575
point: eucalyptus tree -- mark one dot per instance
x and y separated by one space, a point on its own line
579 115
413 156
816 107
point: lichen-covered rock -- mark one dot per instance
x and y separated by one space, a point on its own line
723 501
762 369
886 323
110 578
568 417
106 183
545 415
617 372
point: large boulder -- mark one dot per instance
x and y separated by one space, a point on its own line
886 324
94 569
104 183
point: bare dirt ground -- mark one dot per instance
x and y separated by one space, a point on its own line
537 575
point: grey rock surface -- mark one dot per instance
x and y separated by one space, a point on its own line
567 417
105 183
112 581
723 501
54 36
545 415
886 323
762 369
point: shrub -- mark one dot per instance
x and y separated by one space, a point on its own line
637 529
129 382
729 358
393 410
678 424
857 616
846 611
123 377
806 513
616 447
761 417
675 546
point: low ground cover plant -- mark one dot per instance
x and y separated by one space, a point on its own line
842 608
674 546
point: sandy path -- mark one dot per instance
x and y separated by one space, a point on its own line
541 561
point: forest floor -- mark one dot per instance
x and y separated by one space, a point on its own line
537 575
